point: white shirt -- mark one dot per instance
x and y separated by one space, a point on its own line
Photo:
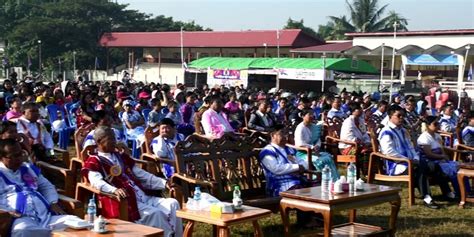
303 136
164 148
425 139
272 164
350 132
32 127
148 180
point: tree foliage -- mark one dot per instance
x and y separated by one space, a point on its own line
64 26
294 24
364 16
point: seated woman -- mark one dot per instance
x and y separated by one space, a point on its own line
433 155
113 172
308 134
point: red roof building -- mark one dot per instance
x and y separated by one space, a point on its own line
293 38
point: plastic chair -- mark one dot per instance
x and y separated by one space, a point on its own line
145 113
135 148
70 109
64 132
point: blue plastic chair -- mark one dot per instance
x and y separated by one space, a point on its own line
135 149
64 133
145 113
70 109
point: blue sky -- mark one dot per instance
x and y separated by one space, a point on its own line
273 14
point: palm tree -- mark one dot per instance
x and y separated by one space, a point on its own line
365 16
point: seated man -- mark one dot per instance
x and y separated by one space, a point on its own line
163 145
214 120
39 138
395 141
295 116
378 119
27 195
282 171
260 120
113 172
336 112
280 166
353 129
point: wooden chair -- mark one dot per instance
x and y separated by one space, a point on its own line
77 162
216 166
447 137
377 171
59 176
197 123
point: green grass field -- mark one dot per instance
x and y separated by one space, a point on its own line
415 221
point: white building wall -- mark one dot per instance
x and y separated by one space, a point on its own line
169 73
453 41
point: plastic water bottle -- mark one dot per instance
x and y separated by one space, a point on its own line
91 210
237 200
351 176
197 193
326 179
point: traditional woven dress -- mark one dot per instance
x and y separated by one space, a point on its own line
109 171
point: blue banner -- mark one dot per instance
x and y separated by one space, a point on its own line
432 59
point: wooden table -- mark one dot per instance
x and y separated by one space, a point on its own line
311 199
465 170
116 228
221 222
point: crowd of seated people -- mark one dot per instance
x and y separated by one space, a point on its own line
116 113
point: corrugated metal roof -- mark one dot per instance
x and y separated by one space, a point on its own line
293 38
414 33
328 48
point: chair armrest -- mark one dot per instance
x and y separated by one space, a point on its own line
153 157
71 206
386 157
312 172
68 175
83 188
334 139
146 165
300 148
63 154
464 147
180 177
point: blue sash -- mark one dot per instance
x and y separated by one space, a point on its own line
168 170
390 165
28 187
